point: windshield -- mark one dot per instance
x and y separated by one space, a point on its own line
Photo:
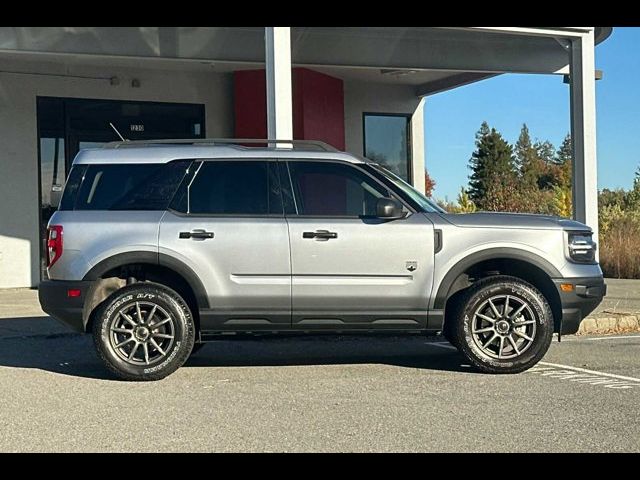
426 204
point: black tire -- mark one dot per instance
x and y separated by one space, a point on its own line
520 340
125 321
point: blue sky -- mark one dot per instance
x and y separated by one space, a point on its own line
542 102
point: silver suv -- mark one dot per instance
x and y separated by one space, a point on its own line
158 248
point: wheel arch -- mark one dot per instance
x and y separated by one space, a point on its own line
522 264
110 274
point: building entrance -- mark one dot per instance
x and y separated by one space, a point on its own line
67 125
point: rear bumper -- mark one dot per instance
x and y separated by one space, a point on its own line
54 300
576 305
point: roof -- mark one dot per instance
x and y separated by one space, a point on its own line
166 152
602 33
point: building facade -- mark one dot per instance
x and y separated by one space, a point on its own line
360 89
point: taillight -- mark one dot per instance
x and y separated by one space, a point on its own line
54 244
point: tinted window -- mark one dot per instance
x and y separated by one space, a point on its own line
235 188
180 199
128 187
407 191
332 189
72 186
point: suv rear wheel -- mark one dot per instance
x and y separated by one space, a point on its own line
143 331
503 325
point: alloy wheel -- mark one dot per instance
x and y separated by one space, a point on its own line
142 333
504 326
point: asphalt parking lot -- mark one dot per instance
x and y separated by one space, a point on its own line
313 394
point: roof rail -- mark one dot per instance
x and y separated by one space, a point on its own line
238 142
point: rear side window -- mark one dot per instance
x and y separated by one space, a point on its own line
235 188
124 187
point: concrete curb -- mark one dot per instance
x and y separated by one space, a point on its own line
610 322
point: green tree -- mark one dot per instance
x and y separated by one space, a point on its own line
632 200
565 152
545 167
526 159
465 204
559 177
491 164
563 163
545 151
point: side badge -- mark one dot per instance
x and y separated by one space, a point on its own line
412 266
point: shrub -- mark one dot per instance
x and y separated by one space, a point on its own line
619 242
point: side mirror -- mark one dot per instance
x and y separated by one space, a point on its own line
389 209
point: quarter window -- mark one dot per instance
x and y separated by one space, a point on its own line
334 189
123 187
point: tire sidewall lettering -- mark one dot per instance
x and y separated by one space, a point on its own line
163 297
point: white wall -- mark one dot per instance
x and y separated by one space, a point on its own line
360 97
19 244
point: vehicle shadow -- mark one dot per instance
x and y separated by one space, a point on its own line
40 343
411 351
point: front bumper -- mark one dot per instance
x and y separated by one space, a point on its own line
54 300
581 301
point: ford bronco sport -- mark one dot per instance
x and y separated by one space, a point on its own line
159 247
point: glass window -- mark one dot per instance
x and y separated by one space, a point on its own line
125 187
71 188
386 141
334 189
235 188
407 191
52 171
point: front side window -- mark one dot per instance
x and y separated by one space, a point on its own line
235 188
407 191
334 189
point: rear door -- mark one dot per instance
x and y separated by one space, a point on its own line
227 225
351 269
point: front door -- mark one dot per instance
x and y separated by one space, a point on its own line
227 225
349 268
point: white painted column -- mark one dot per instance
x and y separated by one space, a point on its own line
583 131
278 72
417 146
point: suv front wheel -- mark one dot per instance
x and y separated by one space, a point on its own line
143 331
503 325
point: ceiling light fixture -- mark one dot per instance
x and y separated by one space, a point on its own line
397 72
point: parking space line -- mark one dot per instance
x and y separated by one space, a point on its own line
568 372
590 372
613 337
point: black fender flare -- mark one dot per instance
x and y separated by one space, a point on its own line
152 258
489 254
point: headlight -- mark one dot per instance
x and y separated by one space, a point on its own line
582 248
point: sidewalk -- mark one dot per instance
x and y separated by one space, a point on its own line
619 312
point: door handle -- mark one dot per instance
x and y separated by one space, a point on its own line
196 234
320 235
